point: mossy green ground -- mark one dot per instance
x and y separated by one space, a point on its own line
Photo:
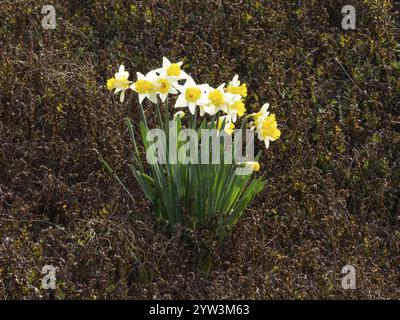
332 196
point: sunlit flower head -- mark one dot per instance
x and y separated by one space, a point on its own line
164 87
258 117
235 108
234 87
146 86
172 71
252 165
268 130
215 100
119 82
191 95
229 126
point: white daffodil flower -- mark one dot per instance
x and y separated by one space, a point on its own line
191 95
215 100
120 82
164 87
146 86
172 71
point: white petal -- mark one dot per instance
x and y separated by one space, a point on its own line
163 97
141 98
122 97
203 88
166 63
190 82
183 75
202 111
225 109
140 76
181 101
264 108
179 87
151 75
221 87
152 97
211 110
192 107
158 71
235 97
203 101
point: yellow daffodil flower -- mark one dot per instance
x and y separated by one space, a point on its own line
165 87
252 165
234 87
215 100
268 130
259 116
229 126
119 82
172 71
235 109
191 95
146 86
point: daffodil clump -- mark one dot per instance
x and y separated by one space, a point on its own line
201 190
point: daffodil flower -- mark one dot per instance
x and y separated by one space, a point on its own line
234 87
258 117
229 126
164 87
146 86
252 165
179 114
268 130
119 82
191 95
216 100
235 109
172 71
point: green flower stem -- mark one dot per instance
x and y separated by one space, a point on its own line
159 115
142 114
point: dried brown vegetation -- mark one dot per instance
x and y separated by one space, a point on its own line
332 196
